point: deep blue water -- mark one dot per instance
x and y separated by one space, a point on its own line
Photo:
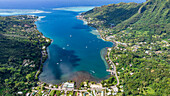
43 4
74 47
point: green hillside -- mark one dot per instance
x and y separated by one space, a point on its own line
20 54
112 13
153 15
142 38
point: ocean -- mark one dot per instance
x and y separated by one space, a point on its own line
76 51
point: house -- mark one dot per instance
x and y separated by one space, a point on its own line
20 92
67 85
43 47
43 36
94 93
122 90
110 37
121 86
33 94
96 86
14 25
71 85
115 89
50 85
102 93
47 40
114 93
158 52
131 73
28 94
146 52
130 65
109 49
109 93
27 25
85 84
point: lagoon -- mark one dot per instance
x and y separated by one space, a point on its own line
75 50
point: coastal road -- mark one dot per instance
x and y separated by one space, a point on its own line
66 89
114 71
39 67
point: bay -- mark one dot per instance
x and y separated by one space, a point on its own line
76 51
74 47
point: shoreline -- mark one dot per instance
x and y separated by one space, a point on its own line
112 71
43 58
102 56
40 70
101 36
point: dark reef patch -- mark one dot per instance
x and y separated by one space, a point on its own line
61 61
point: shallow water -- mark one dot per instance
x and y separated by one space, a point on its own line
74 47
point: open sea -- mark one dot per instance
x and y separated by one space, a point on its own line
77 50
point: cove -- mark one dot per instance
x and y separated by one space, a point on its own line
75 52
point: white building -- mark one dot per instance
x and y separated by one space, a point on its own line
96 86
28 94
20 92
114 93
50 85
68 85
43 47
121 86
131 73
109 93
115 89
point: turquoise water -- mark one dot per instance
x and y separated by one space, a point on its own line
74 48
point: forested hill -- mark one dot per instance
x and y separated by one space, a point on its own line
112 13
142 36
21 54
151 16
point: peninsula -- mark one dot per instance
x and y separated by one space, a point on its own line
22 52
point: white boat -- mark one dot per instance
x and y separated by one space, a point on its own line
92 71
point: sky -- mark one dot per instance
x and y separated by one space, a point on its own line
34 4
